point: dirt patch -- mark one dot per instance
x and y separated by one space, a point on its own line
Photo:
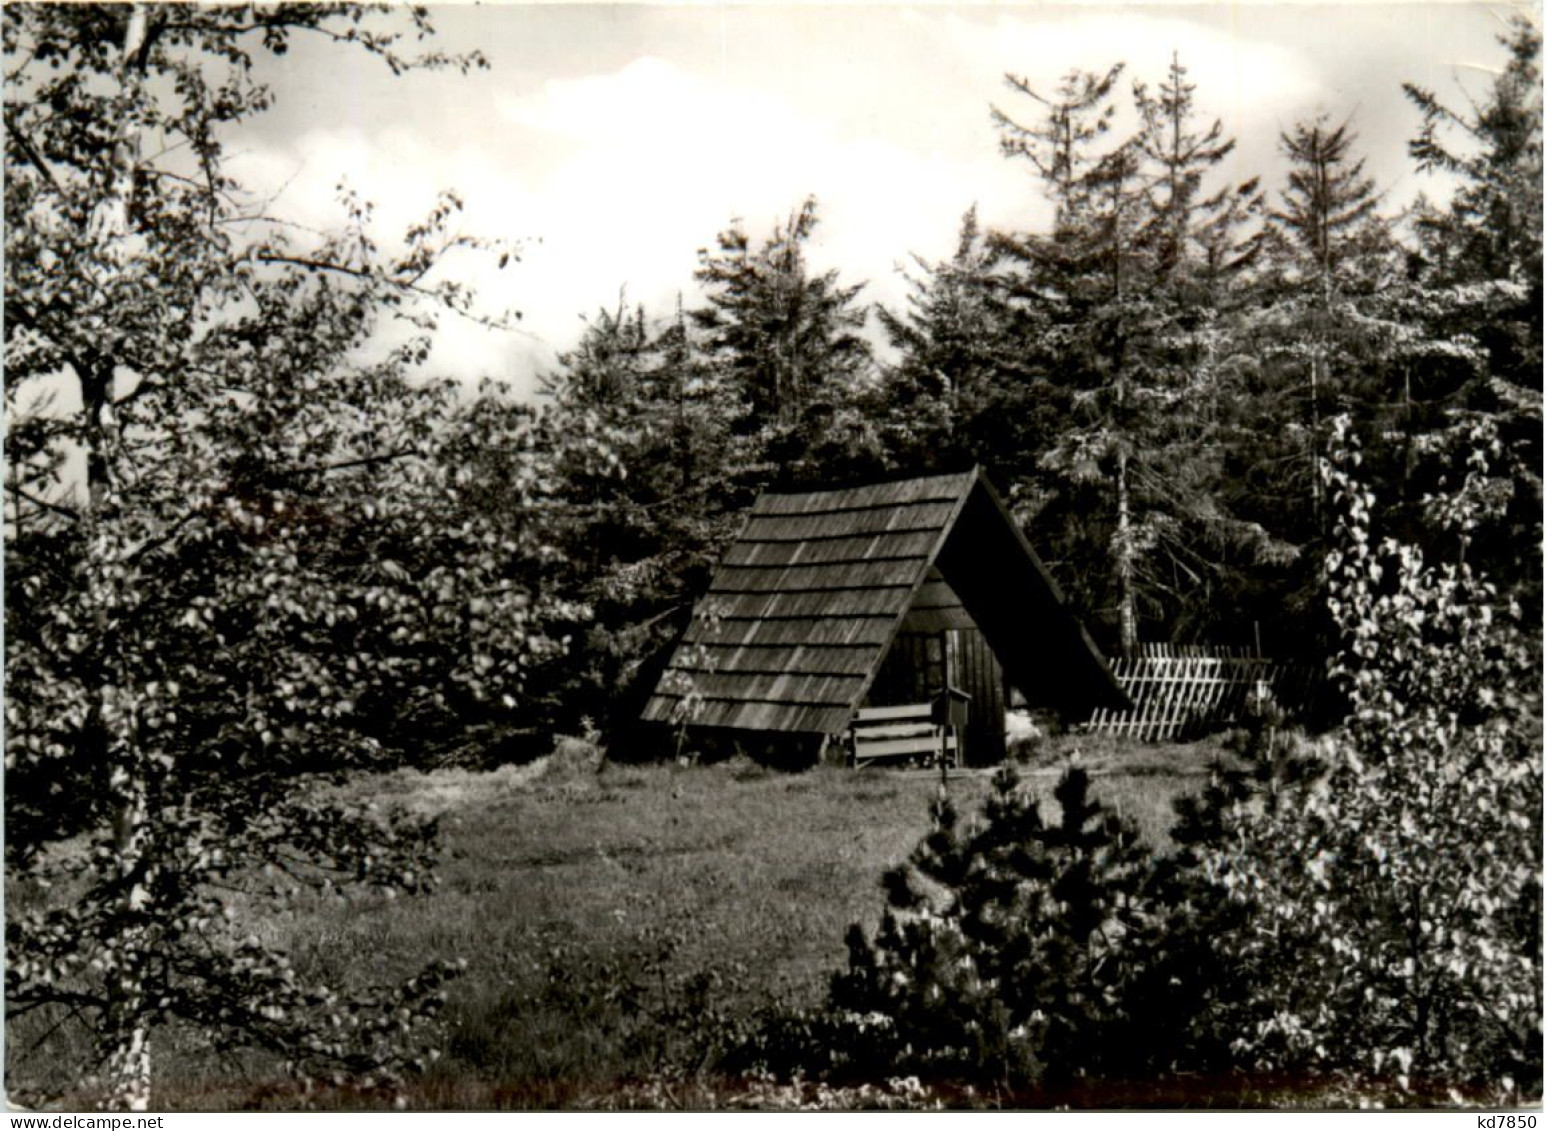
573 759
433 793
436 792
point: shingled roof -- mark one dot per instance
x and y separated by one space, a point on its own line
806 603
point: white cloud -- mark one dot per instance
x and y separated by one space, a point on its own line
661 159
1232 68
402 174
617 176
652 146
633 172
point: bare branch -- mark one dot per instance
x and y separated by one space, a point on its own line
31 151
57 508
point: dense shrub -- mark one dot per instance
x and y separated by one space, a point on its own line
1391 929
1009 953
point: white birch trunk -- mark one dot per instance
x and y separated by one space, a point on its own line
127 1073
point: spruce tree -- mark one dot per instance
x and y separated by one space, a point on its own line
787 339
1140 245
1321 337
1477 297
1079 278
965 389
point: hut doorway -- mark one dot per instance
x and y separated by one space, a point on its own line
939 645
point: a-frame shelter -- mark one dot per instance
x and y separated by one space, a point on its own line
827 601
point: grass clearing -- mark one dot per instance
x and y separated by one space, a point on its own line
597 905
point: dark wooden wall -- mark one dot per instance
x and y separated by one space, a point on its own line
913 670
916 668
976 670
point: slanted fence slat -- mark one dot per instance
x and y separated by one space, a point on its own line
1177 689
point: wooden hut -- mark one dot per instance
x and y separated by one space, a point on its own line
832 601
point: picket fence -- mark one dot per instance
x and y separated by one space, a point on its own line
1181 689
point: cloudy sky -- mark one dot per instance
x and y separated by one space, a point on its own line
615 141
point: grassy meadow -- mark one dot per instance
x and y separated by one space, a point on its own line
612 917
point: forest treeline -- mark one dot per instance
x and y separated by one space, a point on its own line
1150 381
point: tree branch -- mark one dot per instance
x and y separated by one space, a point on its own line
57 508
83 365
362 461
408 286
32 154
79 1009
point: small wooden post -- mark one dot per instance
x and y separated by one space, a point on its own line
949 710
944 762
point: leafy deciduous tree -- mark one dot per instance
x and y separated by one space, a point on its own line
1394 902
262 573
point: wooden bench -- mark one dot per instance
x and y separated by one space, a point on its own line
907 732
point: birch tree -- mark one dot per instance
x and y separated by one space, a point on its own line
235 557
